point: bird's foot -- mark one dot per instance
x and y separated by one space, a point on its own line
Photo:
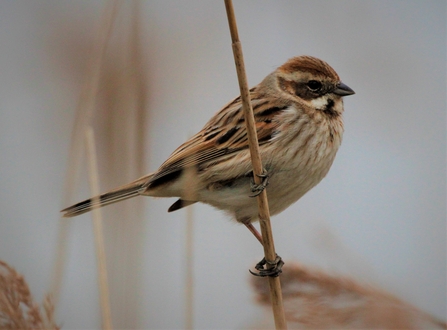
273 268
258 188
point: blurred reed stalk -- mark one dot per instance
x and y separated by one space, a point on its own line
189 249
84 114
264 214
189 295
98 231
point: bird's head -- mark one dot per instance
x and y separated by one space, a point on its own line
313 82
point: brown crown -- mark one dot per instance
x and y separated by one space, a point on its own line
309 64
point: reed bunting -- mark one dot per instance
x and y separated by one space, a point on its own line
298 113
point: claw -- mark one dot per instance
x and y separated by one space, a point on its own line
274 270
258 188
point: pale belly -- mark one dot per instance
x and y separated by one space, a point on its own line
285 188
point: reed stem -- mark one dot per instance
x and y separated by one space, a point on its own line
264 214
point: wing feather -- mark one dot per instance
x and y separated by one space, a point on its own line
225 134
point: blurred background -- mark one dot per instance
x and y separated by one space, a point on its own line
378 217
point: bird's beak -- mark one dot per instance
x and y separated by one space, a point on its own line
343 90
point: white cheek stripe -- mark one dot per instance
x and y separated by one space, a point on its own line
319 103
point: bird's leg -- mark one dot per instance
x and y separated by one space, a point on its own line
258 188
273 268
254 231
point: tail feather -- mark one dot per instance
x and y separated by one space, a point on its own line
128 191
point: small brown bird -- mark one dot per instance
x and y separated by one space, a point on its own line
298 113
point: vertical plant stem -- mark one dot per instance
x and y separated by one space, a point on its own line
189 294
98 232
84 110
189 193
264 214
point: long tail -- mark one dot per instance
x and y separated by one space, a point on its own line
124 192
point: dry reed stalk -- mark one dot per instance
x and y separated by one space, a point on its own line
17 307
189 282
189 251
88 101
316 300
98 232
124 102
82 134
110 84
189 279
84 112
264 214
139 86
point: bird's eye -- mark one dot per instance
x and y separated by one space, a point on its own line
314 85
